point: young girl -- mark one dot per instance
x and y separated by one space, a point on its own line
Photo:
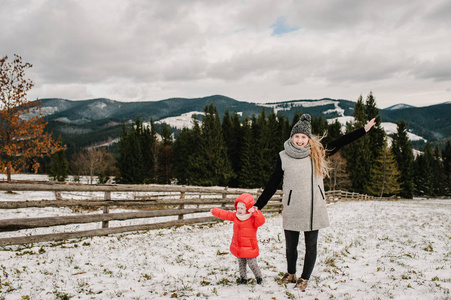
244 241
302 167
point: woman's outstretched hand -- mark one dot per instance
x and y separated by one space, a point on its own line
253 209
370 124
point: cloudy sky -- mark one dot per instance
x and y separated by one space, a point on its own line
250 50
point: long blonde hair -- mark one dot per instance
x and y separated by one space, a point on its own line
318 156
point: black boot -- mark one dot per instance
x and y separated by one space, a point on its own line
243 281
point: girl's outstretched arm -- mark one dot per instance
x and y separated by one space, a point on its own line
223 214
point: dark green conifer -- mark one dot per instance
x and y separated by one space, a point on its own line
246 173
357 153
423 173
59 167
447 169
402 150
213 165
438 172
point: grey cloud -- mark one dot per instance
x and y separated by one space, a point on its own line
437 69
138 48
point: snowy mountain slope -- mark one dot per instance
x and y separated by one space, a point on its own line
399 106
327 107
183 121
74 119
389 128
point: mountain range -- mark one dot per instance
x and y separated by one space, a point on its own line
84 123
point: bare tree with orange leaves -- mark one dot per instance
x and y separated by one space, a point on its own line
22 136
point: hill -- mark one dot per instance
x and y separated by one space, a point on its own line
83 123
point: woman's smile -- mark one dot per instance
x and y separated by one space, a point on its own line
300 140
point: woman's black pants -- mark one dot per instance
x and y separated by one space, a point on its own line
291 241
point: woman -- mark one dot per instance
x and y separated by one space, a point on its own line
302 166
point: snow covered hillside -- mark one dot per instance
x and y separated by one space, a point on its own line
373 250
183 121
312 103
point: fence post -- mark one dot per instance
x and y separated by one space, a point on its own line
224 196
181 206
106 208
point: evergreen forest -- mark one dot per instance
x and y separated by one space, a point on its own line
241 151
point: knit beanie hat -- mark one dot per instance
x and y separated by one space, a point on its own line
304 126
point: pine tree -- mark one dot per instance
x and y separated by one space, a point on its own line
385 174
361 155
423 173
59 167
333 132
181 146
447 169
265 147
376 136
165 156
402 150
319 125
186 149
212 162
284 129
357 154
359 113
123 153
152 146
246 173
135 154
438 172
146 136
193 154
231 129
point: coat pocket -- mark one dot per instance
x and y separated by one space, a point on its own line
254 244
289 197
322 194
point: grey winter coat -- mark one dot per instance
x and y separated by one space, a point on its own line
304 205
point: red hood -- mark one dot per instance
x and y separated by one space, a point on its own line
247 199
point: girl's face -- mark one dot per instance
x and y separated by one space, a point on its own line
300 140
241 209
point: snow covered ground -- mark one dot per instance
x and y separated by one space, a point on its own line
373 250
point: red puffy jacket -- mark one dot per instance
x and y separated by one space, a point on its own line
244 240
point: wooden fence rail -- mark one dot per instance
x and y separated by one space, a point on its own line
337 195
147 201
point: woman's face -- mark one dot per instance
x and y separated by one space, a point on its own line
300 140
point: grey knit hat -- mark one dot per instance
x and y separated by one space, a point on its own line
304 126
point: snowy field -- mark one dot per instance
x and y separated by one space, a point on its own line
374 250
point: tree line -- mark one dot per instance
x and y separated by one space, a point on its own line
241 151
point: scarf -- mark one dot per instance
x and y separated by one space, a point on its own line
296 152
243 217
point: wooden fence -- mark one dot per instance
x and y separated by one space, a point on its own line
182 203
333 196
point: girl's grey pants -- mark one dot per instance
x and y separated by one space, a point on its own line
252 262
